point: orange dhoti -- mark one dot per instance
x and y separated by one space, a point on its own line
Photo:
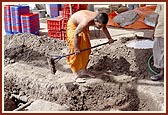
80 61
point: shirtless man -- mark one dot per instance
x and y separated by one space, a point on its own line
77 37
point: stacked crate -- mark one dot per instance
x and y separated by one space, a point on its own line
30 23
7 19
66 10
75 8
80 6
16 12
56 27
64 27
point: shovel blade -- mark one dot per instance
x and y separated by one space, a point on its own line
51 64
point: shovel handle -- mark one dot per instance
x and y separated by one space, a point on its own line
59 57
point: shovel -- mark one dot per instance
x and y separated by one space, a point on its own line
51 60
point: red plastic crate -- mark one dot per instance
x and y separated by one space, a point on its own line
66 15
55 23
54 34
66 5
66 12
63 35
82 6
77 7
64 24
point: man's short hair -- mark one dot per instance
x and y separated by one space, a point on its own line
102 18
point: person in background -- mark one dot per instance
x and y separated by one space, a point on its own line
77 38
158 47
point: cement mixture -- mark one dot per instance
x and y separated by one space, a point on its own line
26 70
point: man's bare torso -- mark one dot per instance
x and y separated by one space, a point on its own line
83 16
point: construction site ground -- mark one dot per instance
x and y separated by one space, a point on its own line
122 81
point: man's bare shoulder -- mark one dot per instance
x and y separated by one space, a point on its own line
82 15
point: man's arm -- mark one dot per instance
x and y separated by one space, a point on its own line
79 29
108 34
